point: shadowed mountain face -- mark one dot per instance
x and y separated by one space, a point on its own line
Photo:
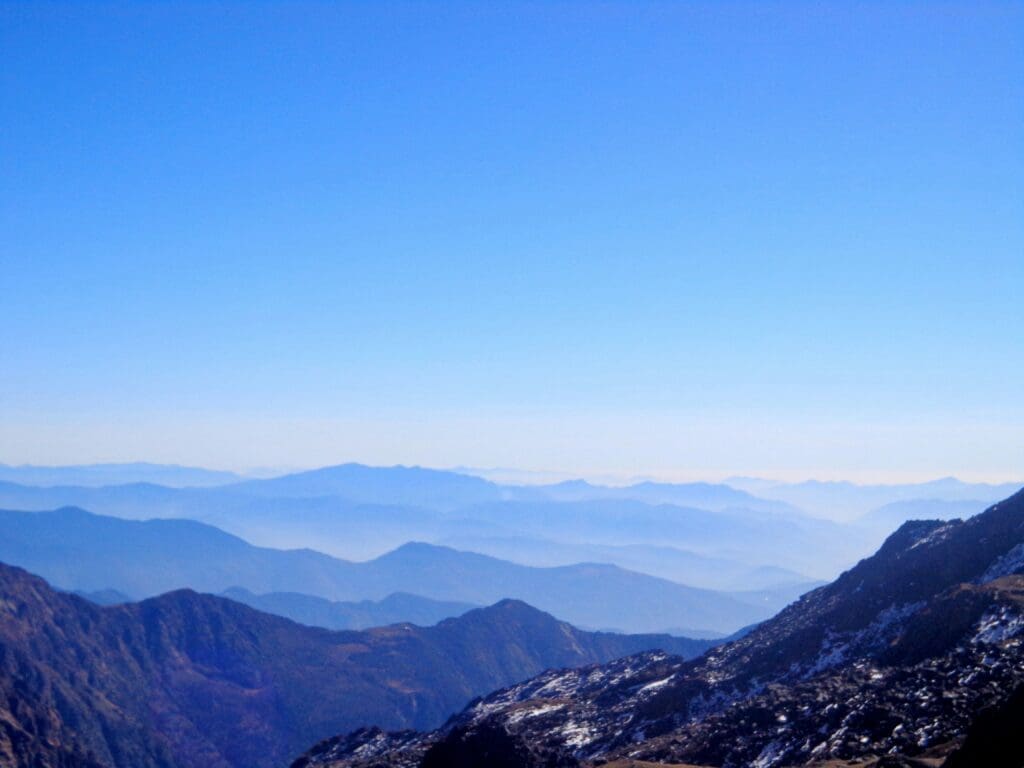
896 657
76 550
190 680
994 738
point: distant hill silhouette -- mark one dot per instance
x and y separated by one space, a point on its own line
319 612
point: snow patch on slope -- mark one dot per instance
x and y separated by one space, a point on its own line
997 627
1011 562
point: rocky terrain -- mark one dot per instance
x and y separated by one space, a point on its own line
186 680
893 663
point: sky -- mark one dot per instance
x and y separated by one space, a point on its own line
681 240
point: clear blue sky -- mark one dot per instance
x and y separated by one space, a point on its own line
685 239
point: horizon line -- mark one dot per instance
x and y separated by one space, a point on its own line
532 476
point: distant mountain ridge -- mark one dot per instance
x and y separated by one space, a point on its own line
421 486
894 514
708 496
95 475
415 486
396 608
667 562
840 499
77 550
104 596
357 512
186 680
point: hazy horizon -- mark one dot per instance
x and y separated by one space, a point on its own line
532 476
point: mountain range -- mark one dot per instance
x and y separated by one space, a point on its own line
357 512
667 562
909 658
186 680
77 550
432 488
397 608
891 664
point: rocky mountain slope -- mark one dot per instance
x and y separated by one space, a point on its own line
895 658
195 681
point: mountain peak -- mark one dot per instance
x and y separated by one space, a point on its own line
360 483
419 550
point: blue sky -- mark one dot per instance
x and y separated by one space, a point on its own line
680 239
